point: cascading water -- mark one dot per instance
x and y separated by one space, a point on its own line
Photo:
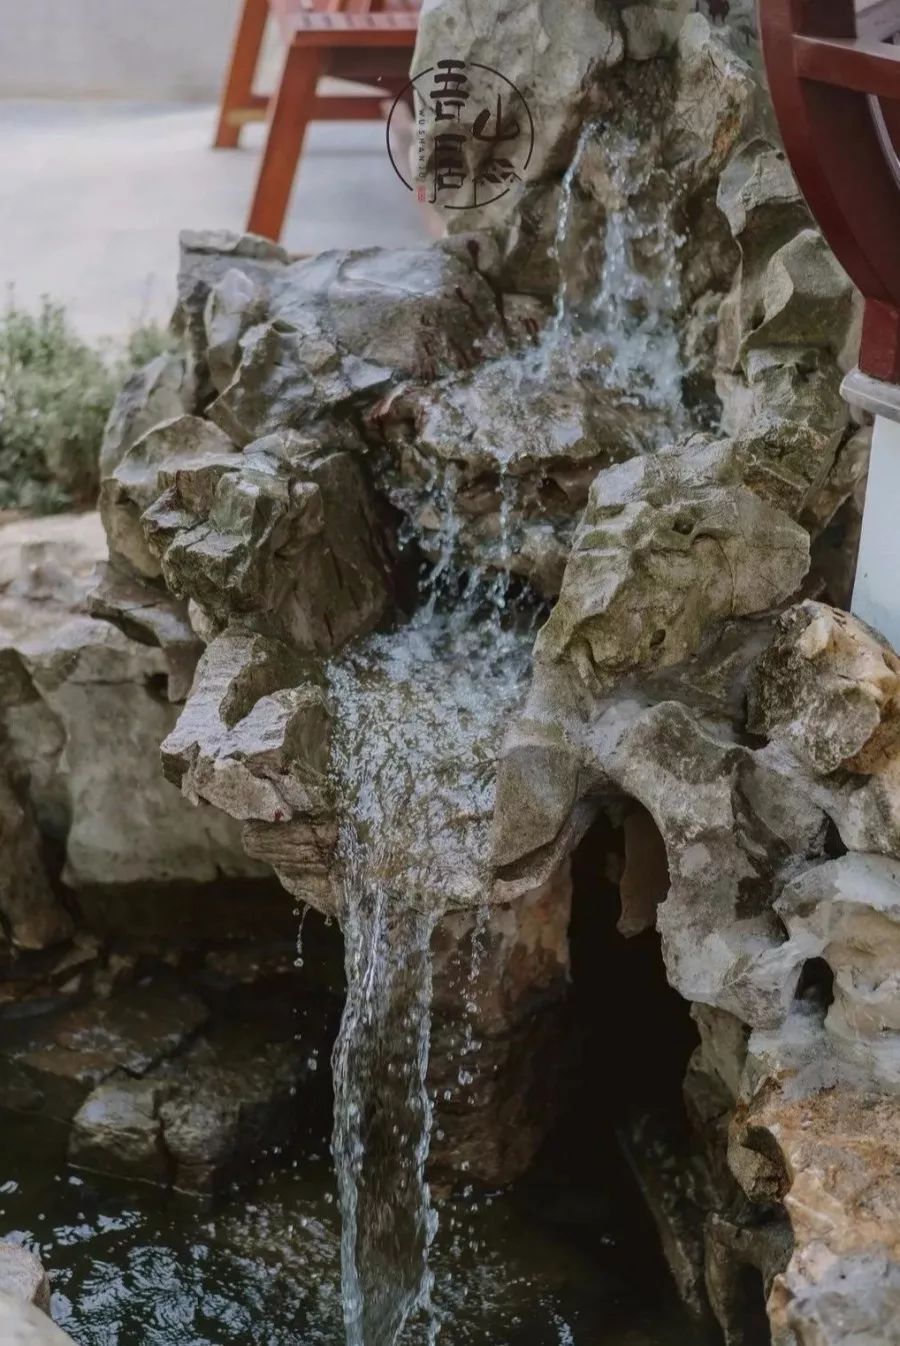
419 716
421 712
626 329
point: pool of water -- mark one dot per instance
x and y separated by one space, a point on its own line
565 1259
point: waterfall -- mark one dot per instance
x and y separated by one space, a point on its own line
630 322
638 301
420 713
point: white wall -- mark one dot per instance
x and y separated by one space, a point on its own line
155 49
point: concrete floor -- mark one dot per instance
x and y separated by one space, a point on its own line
92 196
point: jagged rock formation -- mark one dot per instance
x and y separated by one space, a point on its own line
622 391
91 679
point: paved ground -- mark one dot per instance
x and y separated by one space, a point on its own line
92 196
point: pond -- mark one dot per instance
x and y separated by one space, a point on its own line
568 1257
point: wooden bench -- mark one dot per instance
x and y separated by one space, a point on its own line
347 39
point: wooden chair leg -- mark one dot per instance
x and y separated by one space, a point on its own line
238 89
292 111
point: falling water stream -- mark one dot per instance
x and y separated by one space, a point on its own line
419 715
421 712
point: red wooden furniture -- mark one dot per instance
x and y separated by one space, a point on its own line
836 90
349 39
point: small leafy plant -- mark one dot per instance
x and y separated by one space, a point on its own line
55 395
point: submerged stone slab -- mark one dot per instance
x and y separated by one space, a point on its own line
53 1066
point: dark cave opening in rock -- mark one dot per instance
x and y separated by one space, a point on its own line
625 1123
816 984
750 1307
628 1014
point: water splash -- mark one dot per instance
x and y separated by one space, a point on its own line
638 303
625 334
564 214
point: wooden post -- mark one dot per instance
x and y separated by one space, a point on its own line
239 82
293 108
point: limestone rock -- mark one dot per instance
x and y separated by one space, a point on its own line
787 432
493 1110
715 97
22 1324
828 1147
62 1059
206 257
644 32
186 445
117 1131
732 1250
32 916
343 326
23 1277
554 57
847 913
286 532
233 306
759 197
855 1298
806 297
253 736
151 615
160 391
829 687
85 707
227 1100
662 553
501 461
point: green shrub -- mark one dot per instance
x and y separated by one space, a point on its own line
55 395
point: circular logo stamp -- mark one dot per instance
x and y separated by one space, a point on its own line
474 135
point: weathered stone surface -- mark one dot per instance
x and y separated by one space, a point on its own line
85 706
207 256
805 297
498 463
343 327
287 533
22 1324
554 57
807 1133
117 1131
161 390
226 1101
644 32
715 96
500 983
62 1058
31 916
186 445
23 1277
829 688
252 718
336 383
152 616
196 1120
824 694
734 1249
662 552
847 912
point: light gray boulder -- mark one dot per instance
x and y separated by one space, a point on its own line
22 1324
22 1276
